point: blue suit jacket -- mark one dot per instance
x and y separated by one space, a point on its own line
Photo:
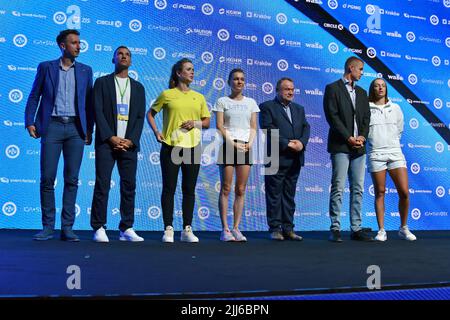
273 116
41 100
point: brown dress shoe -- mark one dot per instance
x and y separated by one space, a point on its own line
276 235
292 236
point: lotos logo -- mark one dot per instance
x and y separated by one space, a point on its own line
203 213
154 212
207 9
160 4
12 151
269 40
15 95
223 35
135 25
415 168
415 214
159 53
281 18
9 209
207 57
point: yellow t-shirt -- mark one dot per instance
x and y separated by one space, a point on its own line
178 107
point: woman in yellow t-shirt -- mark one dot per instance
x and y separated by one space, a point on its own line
185 113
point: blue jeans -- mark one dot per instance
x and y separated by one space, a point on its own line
354 167
63 137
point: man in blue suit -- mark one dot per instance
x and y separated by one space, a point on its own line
119 116
286 125
59 110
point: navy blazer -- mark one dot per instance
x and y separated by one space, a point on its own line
273 116
339 112
41 100
105 105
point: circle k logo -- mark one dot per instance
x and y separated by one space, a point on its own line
160 4
15 96
437 103
154 158
219 83
440 191
412 78
354 28
439 147
333 4
410 36
333 48
203 213
59 17
207 57
434 20
12 151
436 61
414 123
415 214
159 53
269 40
135 25
371 52
20 40
9 209
207 9
267 88
282 65
281 18
415 168
154 212
223 35
84 46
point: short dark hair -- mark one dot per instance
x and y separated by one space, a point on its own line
372 91
62 36
280 81
121 47
233 72
349 61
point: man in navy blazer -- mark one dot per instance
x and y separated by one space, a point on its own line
287 137
119 116
59 110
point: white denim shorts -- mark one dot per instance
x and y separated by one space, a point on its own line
381 161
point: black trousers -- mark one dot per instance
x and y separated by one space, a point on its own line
172 159
105 158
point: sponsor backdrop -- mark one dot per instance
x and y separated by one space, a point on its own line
269 40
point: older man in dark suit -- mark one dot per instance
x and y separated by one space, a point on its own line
288 129
59 110
119 117
347 112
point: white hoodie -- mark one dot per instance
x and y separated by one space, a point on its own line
385 129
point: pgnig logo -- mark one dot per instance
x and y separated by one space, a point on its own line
267 88
9 209
415 168
223 35
160 4
281 18
415 214
440 191
333 4
207 9
20 40
282 65
15 95
436 61
439 147
412 78
159 53
154 212
410 36
371 52
437 103
59 17
203 213
269 40
333 47
207 57
219 83
353 28
135 25
414 123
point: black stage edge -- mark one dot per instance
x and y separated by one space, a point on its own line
213 269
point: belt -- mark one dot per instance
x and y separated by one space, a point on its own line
65 119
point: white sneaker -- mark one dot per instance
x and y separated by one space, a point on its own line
238 235
187 235
227 236
100 235
381 235
168 234
130 235
405 234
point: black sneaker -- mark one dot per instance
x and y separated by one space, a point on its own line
360 236
335 236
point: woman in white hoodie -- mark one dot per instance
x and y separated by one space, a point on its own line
385 154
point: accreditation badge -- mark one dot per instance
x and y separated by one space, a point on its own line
122 111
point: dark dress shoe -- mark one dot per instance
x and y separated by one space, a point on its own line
69 235
335 236
276 235
292 236
43 235
360 236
